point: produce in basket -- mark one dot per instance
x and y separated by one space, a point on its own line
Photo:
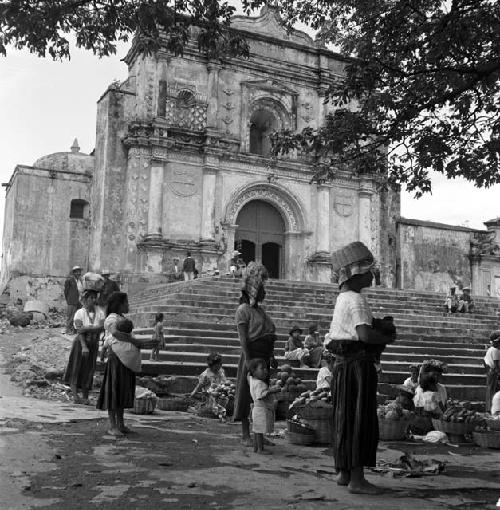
288 381
460 412
320 394
393 411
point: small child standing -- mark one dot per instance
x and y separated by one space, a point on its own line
158 337
263 403
213 375
324 378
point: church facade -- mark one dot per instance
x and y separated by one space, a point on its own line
182 162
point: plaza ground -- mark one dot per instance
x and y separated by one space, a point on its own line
56 455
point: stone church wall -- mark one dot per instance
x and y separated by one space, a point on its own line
433 257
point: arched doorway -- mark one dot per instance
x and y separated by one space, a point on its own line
260 236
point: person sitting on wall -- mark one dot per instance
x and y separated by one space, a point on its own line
465 301
451 302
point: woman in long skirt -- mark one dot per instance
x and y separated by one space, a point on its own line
256 332
88 322
354 342
124 361
492 365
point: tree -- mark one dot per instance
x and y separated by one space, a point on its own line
426 81
44 26
424 76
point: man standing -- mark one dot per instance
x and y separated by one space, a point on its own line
73 286
188 267
108 288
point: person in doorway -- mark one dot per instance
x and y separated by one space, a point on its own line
73 287
492 365
88 322
109 286
233 264
188 267
256 332
354 385
465 301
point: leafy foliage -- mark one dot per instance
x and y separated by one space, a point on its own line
43 26
426 83
421 91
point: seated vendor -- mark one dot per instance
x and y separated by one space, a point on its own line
294 348
315 347
325 373
465 302
427 400
213 375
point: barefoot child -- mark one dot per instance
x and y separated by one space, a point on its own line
158 337
263 402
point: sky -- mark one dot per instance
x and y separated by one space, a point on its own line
44 105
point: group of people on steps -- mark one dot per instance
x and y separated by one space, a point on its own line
349 356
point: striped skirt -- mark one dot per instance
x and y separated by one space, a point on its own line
355 423
80 369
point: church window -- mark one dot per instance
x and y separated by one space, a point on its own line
79 209
185 98
262 123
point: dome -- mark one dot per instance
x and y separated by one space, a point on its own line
73 161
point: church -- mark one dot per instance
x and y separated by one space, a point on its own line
182 162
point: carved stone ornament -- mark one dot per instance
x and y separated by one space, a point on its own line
267 193
182 183
343 203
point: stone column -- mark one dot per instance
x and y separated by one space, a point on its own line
323 219
155 211
213 94
364 216
208 204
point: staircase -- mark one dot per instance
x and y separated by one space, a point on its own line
199 318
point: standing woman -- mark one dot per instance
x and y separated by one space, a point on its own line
88 323
124 361
354 380
256 332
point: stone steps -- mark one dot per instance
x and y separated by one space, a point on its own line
199 318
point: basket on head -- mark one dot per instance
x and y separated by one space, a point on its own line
350 254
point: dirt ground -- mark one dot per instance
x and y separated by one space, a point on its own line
57 455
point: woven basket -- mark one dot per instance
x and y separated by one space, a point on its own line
493 424
456 429
392 430
282 409
319 416
487 439
144 405
304 439
173 404
298 428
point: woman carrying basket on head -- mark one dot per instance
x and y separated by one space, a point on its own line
256 332
355 344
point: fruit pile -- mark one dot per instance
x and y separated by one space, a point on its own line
226 389
394 412
318 395
288 381
457 412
